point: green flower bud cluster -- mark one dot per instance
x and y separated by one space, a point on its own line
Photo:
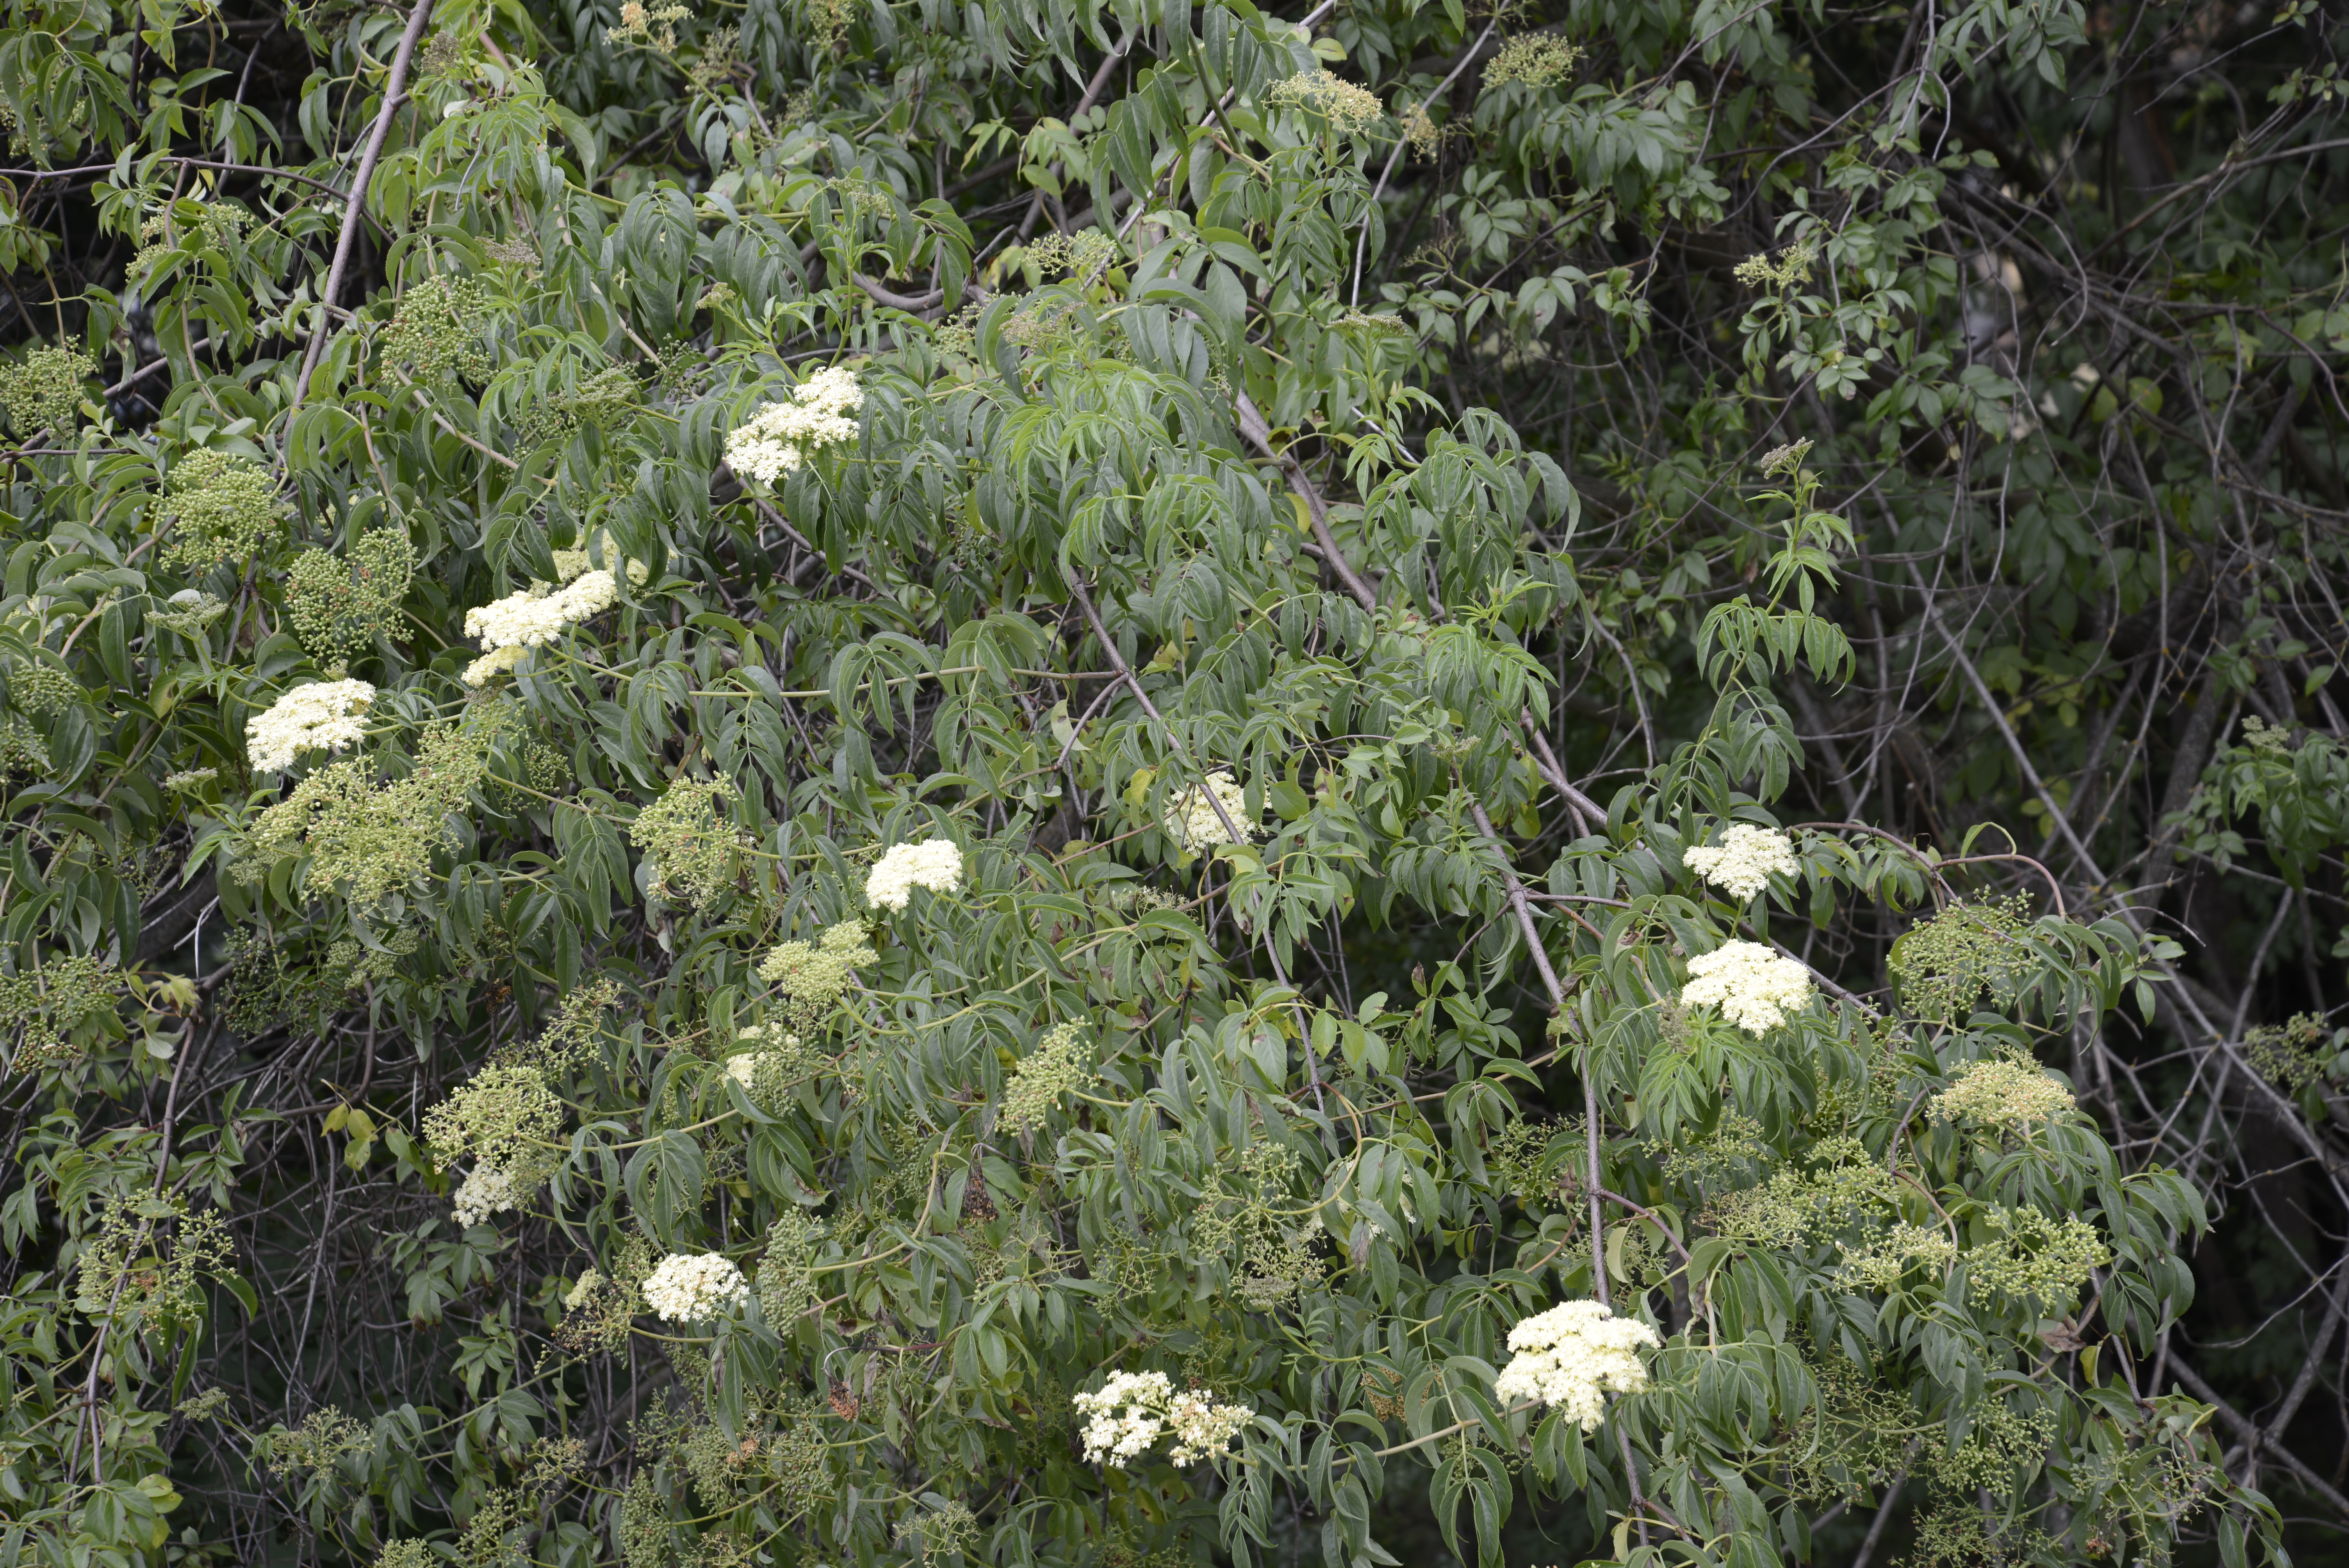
1082 255
786 1279
603 399
1517 1160
227 509
689 843
50 1003
2034 1259
2297 1053
596 1314
437 328
2003 1093
1350 110
22 749
129 1272
1945 965
370 842
533 772
1885 1259
772 1060
45 392
1797 1208
1273 1259
2001 1442
312 1448
1061 1065
506 1118
1793 266
940 1531
1855 1437
570 1039
43 689
215 226
1734 1154
815 975
192 610
340 608
1535 60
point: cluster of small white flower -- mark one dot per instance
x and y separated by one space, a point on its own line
1191 820
936 863
2001 1093
485 1190
781 435
1201 1428
571 563
1742 863
321 715
1755 987
1572 1355
581 1293
694 1287
533 617
495 663
1134 1409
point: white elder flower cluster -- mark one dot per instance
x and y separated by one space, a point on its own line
323 715
1191 820
694 1287
1741 864
1572 1355
1134 1409
936 863
571 563
780 437
1757 988
536 615
494 663
485 1190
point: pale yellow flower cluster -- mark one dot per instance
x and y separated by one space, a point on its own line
2003 1093
323 715
1134 1409
1755 987
485 1192
694 1287
936 865
1191 820
1572 1356
780 437
1741 865
533 618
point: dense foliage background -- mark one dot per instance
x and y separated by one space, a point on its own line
1335 505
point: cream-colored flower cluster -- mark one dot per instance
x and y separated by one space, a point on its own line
2003 1093
1742 863
1057 1066
694 1287
495 663
1350 110
936 865
780 437
485 1190
1572 1356
814 976
1755 987
571 563
1134 1409
1191 820
533 618
323 715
